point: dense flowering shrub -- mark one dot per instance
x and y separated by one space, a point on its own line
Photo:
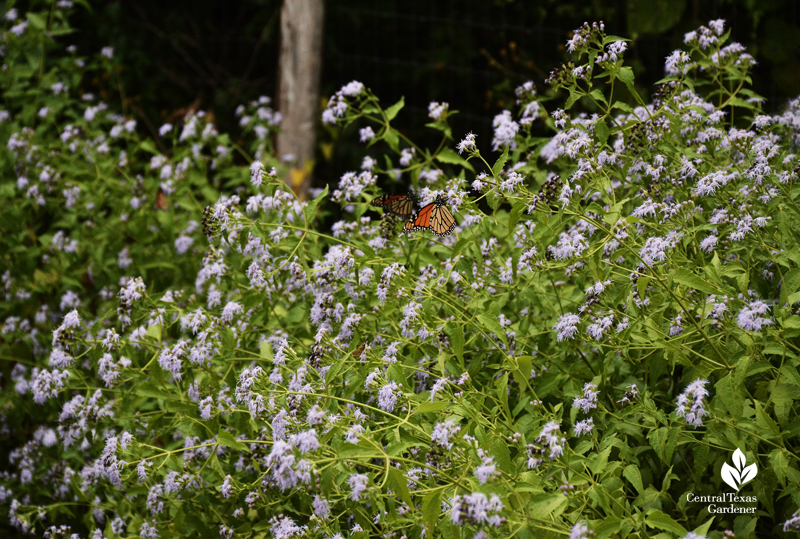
614 316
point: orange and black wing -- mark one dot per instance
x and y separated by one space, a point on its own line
402 205
442 222
161 201
422 219
380 202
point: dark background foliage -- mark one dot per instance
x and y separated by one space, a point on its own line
470 54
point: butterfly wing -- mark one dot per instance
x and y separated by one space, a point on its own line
420 221
380 202
442 222
402 205
161 201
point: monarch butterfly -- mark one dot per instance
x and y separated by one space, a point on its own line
434 217
161 201
402 205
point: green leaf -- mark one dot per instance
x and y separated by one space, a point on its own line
392 111
625 74
392 139
513 217
632 474
622 106
154 332
500 163
215 465
225 438
397 481
791 374
37 21
310 209
456 340
572 97
792 322
428 406
791 283
447 155
431 507
597 95
523 371
780 464
601 132
687 278
766 423
657 519
547 506
490 322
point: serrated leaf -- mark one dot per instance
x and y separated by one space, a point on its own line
154 332
513 217
456 335
37 21
687 278
392 111
428 406
764 421
792 322
625 74
601 132
547 506
398 483
632 474
490 322
310 209
780 464
225 438
431 507
661 521
446 155
500 163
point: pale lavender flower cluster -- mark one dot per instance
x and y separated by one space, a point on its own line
468 144
706 36
793 524
476 509
567 326
691 403
487 469
437 111
580 531
442 432
387 396
589 400
351 185
750 317
286 473
358 485
584 427
550 436
337 105
505 131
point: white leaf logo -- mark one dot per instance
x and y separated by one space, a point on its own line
737 476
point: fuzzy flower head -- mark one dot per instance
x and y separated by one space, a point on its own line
589 400
691 403
752 316
468 144
567 326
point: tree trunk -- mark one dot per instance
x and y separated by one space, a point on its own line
298 88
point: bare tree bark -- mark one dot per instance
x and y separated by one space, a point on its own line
298 87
